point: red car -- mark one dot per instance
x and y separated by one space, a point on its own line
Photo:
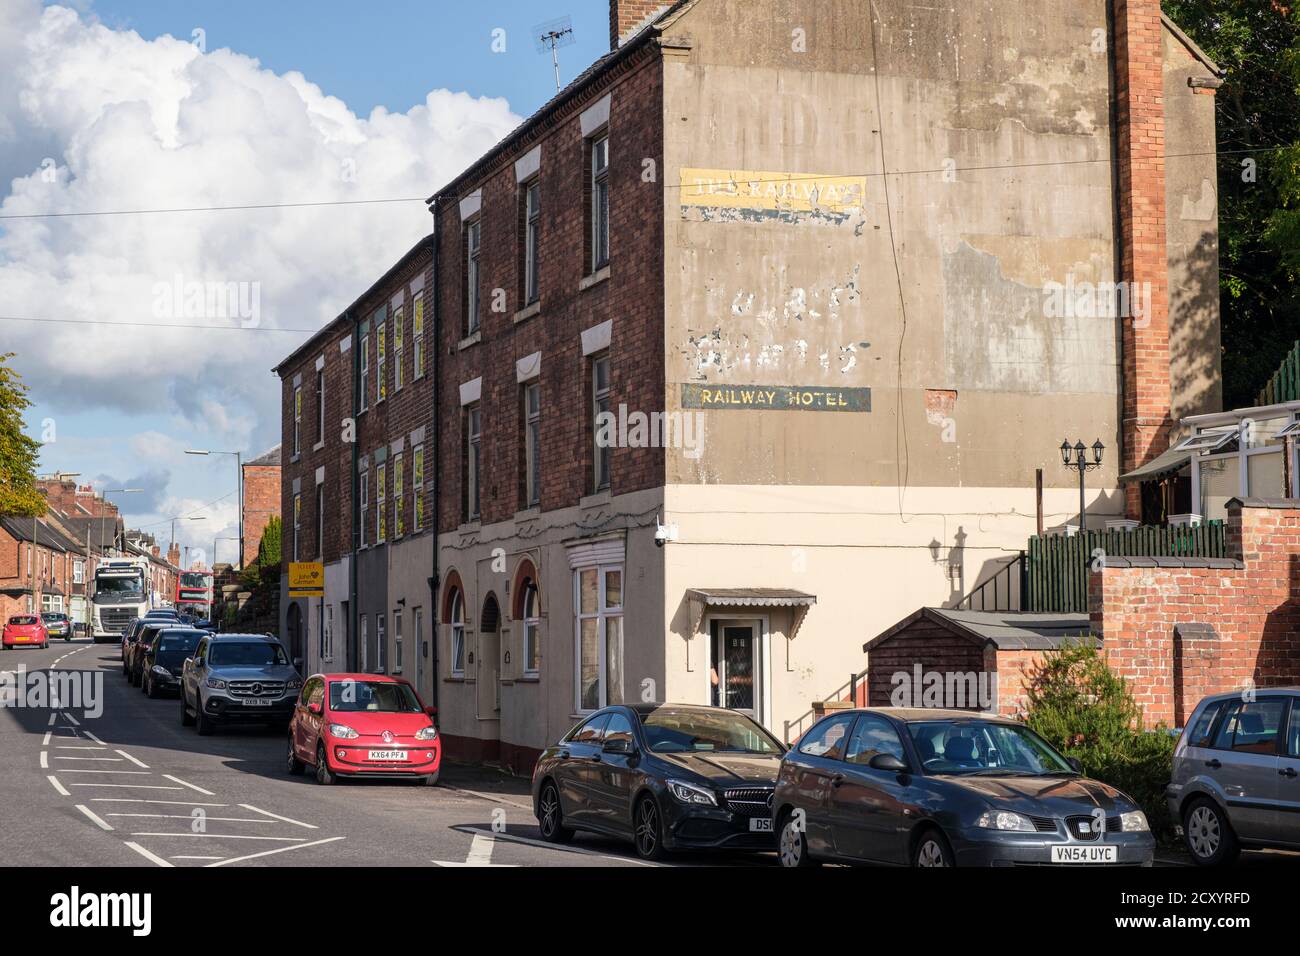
25 629
363 725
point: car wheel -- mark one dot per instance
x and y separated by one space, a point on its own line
324 775
186 719
649 831
150 688
550 818
932 850
430 780
202 723
291 762
792 847
1208 833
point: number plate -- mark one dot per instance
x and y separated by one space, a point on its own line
1085 854
388 755
760 825
257 702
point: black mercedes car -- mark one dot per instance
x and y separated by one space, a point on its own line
665 776
926 787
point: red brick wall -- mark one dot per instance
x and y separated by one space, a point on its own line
624 15
1141 146
261 503
1251 599
632 297
1014 670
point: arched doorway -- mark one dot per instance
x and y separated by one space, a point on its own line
488 660
293 625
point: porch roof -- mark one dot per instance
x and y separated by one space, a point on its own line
701 598
1163 464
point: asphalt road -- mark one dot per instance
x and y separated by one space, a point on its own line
132 787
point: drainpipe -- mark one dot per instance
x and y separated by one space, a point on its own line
1117 230
354 484
436 352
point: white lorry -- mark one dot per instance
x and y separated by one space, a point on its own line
121 595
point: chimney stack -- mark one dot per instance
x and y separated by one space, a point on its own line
627 16
1140 126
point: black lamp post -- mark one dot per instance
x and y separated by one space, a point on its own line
1076 456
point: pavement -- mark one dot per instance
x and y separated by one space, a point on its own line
132 787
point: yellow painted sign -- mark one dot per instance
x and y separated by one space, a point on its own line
306 579
812 398
759 194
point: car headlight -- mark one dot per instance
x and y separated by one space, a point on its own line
426 733
160 670
216 682
690 793
1005 820
1135 821
343 731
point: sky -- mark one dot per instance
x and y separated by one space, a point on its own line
129 105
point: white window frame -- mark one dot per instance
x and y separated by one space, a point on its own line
320 407
417 489
473 274
364 481
397 641
364 639
473 461
399 346
297 420
417 334
381 502
79 572
327 635
381 645
365 371
532 624
381 359
601 476
602 615
399 493
456 633
532 240
532 444
320 519
297 522
599 188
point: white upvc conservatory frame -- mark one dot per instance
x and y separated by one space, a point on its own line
1238 418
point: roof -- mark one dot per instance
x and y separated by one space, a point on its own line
1005 630
38 530
1165 463
344 317
753 597
1192 48
269 457
586 78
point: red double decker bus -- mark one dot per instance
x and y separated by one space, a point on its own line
194 594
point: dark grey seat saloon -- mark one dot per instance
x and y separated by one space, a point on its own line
925 787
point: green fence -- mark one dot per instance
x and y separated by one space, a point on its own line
1058 564
1284 386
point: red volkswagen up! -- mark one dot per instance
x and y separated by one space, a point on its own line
363 725
25 630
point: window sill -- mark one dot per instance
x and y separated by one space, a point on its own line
528 312
470 527
529 514
453 680
293 459
594 501
529 679
473 338
595 279
318 446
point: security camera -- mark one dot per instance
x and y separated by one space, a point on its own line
664 533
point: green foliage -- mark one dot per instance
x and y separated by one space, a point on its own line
1257 111
1086 711
18 451
266 569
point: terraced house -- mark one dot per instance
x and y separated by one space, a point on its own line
753 338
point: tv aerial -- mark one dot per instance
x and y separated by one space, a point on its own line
552 35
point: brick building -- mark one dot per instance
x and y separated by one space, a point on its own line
261 484
356 484
720 292
39 564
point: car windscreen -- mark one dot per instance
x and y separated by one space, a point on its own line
178 643
246 653
690 731
985 747
372 696
53 618
22 620
119 585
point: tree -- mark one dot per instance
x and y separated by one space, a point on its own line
18 451
265 571
1257 111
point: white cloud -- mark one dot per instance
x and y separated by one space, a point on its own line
144 124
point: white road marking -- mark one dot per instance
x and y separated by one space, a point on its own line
93 819
58 786
72 720
45 741
143 773
138 763
190 816
480 852
198 857
101 759
529 841
129 786
206 793
94 738
252 856
45 760
219 836
53 719
298 823
79 747
494 797
183 803
146 854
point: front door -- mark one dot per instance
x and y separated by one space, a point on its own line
735 667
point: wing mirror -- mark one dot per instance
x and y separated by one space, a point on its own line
315 709
1075 764
887 762
618 745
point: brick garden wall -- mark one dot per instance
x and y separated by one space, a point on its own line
1179 629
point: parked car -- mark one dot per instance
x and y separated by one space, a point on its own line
1236 775
57 624
129 634
665 776
930 787
133 650
363 725
238 678
24 630
164 658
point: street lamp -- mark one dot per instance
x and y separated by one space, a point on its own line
239 479
1076 456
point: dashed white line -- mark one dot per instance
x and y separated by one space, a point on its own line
138 763
297 823
73 720
252 856
190 816
101 759
94 738
53 719
45 760
79 747
58 786
129 786
142 773
45 741
206 793
154 858
93 818
188 857
183 803
219 836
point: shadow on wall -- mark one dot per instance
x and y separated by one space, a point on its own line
1195 367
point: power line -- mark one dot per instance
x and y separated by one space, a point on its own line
236 208
152 325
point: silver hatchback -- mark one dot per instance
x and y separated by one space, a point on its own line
1236 774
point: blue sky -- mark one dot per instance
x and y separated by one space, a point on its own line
130 119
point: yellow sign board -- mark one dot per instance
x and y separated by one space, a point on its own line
751 193
306 579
